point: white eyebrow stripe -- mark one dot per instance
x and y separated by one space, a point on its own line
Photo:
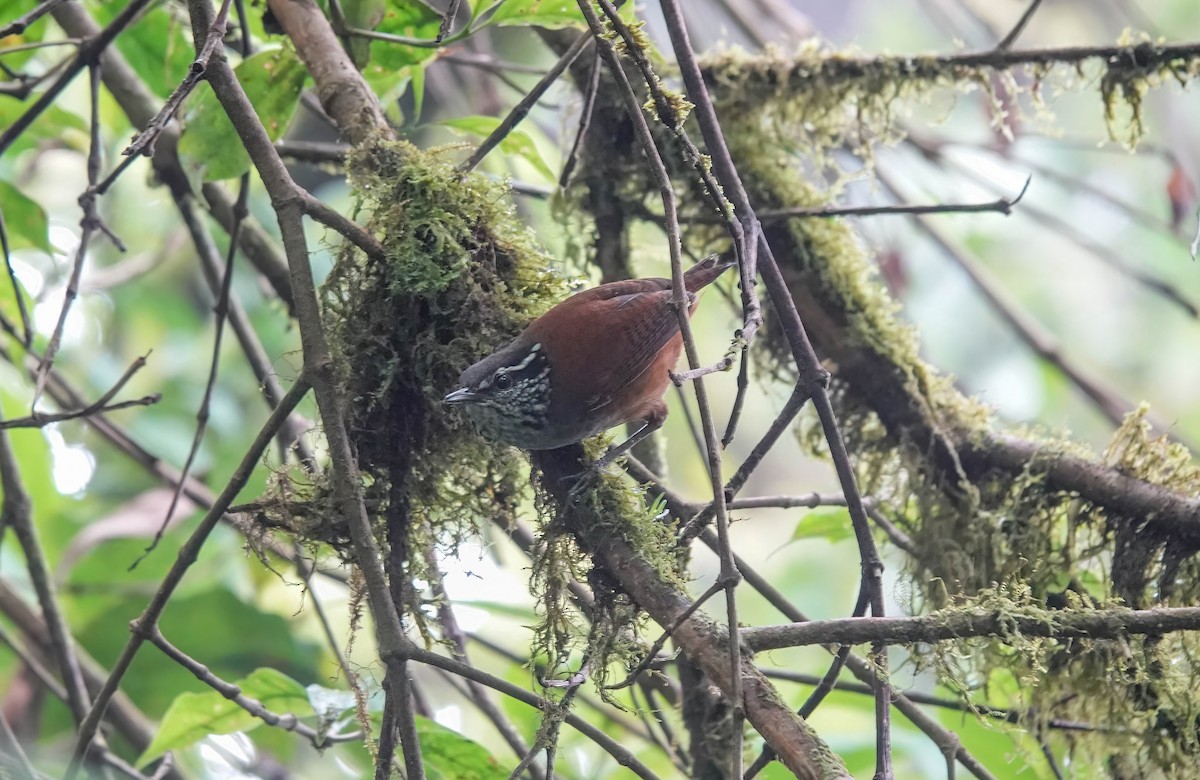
528 358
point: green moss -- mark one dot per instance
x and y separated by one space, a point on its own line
1011 545
839 99
460 277
608 509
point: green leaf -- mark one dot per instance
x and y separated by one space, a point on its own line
542 13
55 123
516 142
210 147
362 15
194 716
394 65
159 46
448 755
24 219
32 34
832 524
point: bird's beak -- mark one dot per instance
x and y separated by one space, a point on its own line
460 396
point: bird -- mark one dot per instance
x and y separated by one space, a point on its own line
601 358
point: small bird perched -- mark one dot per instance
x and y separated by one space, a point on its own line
600 358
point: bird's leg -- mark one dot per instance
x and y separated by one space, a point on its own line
653 420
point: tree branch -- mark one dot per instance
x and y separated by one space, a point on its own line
961 624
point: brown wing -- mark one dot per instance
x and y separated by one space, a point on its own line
639 327
615 337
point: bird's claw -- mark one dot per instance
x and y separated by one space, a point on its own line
582 480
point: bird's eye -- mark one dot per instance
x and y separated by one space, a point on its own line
502 381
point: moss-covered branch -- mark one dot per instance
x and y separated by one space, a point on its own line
973 622
813 69
628 552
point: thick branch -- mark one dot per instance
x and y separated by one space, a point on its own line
943 626
704 641
819 72
344 94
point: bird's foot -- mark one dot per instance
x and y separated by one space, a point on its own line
584 479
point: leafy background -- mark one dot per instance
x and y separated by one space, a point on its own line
255 624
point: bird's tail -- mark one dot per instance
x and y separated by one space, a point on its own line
704 272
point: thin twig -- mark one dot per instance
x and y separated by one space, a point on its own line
42 419
476 693
742 226
123 716
1024 326
18 291
88 226
999 713
720 367
608 713
651 656
823 689
33 45
287 722
1000 206
144 142
728 576
306 570
1063 227
522 108
585 119
87 55
17 514
864 670
11 746
782 421
188 553
739 400
220 310
448 21
1008 40
349 229
620 753
319 152
486 62
256 356
812 377
552 723
34 666
21 23
363 117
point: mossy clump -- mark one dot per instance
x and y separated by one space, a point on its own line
607 509
460 276
1127 704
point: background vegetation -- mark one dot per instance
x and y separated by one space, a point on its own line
357 573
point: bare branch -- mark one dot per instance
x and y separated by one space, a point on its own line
1000 206
187 556
87 55
521 110
21 23
287 721
1008 40
728 576
17 514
